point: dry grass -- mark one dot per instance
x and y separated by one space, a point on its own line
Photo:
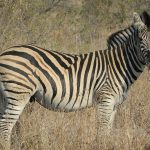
66 29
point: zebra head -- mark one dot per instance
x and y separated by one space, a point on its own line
142 23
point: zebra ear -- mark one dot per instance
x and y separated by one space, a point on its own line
146 19
138 21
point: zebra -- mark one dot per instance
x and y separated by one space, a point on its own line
69 82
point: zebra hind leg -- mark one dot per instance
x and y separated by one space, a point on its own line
11 106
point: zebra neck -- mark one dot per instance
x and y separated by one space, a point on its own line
122 56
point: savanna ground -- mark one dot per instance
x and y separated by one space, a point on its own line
75 26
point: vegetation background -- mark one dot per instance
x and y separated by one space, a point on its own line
75 26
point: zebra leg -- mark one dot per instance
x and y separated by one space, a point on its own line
105 113
11 106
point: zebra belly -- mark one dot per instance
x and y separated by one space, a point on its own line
65 104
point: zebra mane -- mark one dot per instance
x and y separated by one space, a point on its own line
121 36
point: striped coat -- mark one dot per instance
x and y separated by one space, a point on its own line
67 82
56 80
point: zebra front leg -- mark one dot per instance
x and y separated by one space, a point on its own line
12 106
105 114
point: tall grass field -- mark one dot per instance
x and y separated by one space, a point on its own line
75 26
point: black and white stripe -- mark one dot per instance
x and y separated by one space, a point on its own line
70 82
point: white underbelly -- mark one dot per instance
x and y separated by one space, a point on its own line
68 105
